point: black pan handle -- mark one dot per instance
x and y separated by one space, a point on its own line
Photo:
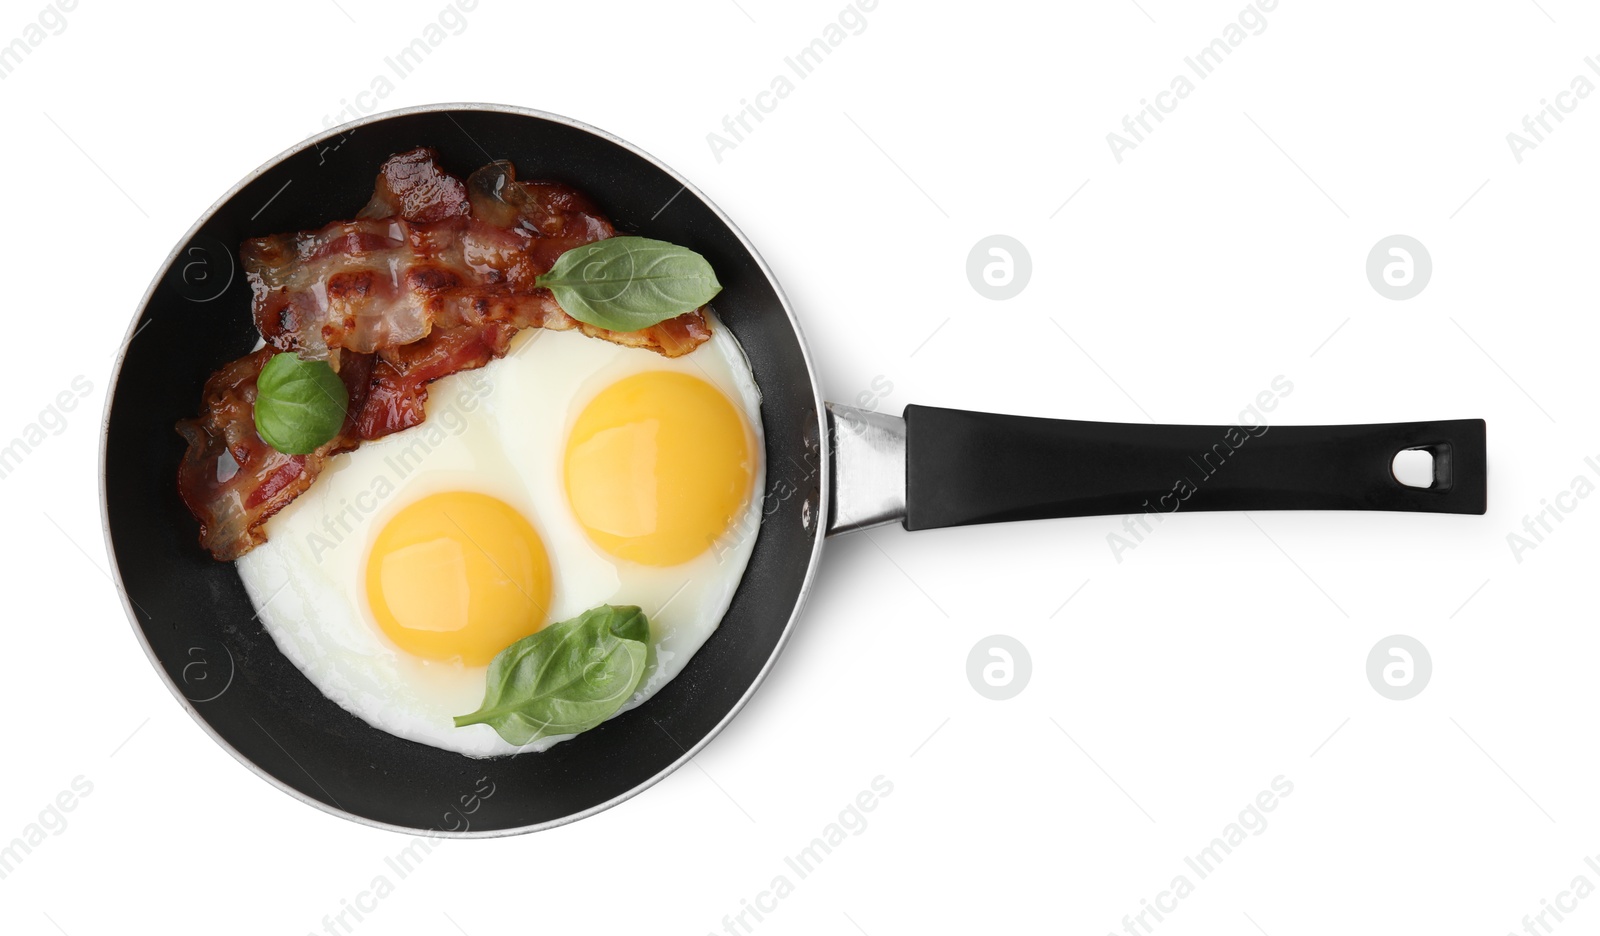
965 467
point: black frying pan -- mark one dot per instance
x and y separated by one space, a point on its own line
829 469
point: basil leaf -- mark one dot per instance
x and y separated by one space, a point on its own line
300 405
629 283
566 678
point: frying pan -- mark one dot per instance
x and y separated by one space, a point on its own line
830 469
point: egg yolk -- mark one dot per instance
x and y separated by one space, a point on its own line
657 467
458 575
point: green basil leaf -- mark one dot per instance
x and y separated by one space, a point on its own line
300 405
629 283
566 678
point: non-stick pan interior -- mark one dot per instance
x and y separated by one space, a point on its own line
193 611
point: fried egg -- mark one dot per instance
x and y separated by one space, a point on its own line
569 474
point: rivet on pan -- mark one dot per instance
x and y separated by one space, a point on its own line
805 514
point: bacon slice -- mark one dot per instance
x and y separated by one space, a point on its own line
230 479
433 277
398 386
429 252
415 187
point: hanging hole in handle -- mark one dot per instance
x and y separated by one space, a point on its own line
1413 468
1426 467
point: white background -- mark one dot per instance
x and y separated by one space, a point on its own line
1174 686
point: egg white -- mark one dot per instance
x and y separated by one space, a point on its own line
500 430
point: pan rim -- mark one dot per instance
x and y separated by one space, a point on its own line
819 515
